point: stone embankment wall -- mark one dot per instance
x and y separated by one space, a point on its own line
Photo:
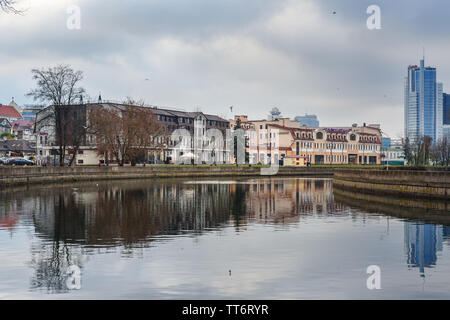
12 176
433 184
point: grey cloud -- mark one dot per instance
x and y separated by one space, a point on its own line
218 53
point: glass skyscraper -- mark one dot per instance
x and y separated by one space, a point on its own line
423 103
446 108
308 120
422 243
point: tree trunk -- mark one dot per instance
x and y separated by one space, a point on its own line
61 156
74 155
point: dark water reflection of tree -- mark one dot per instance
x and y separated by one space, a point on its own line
116 217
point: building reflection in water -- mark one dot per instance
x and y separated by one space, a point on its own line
285 200
424 223
423 242
72 223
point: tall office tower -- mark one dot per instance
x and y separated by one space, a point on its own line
308 120
446 108
423 103
422 244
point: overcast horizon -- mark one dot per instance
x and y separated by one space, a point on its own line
301 56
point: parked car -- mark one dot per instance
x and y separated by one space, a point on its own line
20 162
4 161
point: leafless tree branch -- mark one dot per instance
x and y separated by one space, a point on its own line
9 6
58 87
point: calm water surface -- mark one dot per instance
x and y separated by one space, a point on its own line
263 238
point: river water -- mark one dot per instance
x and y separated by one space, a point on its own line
252 238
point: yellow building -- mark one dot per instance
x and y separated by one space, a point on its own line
271 141
297 161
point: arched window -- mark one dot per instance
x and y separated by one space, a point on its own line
352 137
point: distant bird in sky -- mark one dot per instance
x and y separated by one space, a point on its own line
334 12
231 108
147 79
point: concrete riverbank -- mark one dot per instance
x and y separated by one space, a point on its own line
433 184
13 176
411 208
407 182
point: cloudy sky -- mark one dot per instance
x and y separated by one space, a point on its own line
255 54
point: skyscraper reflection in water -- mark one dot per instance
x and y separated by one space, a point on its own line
422 243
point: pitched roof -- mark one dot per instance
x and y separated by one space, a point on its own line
187 114
8 111
214 117
17 145
4 122
23 123
294 131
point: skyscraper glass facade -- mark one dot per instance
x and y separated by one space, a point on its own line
446 107
423 103
308 120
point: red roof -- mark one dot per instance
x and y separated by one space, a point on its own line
8 111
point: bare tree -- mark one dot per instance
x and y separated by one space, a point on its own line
441 152
9 6
125 132
58 86
77 130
